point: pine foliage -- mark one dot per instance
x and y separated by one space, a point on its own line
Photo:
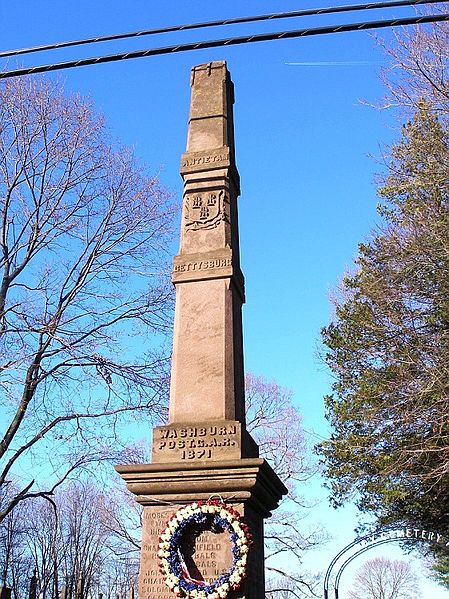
388 346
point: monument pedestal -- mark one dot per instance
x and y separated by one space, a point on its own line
205 452
248 484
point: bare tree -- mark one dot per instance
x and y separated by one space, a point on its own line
82 282
418 67
15 562
276 424
90 543
122 518
69 543
85 538
302 586
44 543
388 346
382 578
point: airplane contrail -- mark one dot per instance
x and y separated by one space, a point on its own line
347 63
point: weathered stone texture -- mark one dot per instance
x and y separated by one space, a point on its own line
207 369
205 450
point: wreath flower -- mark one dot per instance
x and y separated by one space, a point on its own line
211 515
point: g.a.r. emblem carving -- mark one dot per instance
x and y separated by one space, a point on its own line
204 210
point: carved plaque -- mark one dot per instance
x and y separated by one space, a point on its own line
204 209
151 582
192 162
215 264
207 555
190 443
203 265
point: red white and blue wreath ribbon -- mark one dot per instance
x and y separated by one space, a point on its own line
206 515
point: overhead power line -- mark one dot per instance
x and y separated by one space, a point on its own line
233 41
233 21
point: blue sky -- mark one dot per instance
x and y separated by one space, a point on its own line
308 145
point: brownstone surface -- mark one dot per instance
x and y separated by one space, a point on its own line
151 582
249 484
208 555
205 450
193 442
207 368
248 480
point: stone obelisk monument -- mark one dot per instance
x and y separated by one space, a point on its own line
205 450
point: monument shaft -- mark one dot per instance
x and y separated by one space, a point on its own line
207 367
204 451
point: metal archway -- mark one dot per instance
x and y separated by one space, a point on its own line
337 557
374 540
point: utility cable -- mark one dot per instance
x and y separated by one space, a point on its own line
232 21
233 41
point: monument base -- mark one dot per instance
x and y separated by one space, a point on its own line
248 484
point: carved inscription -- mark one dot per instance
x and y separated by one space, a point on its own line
207 555
211 159
193 443
203 265
204 210
151 583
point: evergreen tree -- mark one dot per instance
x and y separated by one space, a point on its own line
388 346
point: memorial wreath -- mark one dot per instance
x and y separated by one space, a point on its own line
184 524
